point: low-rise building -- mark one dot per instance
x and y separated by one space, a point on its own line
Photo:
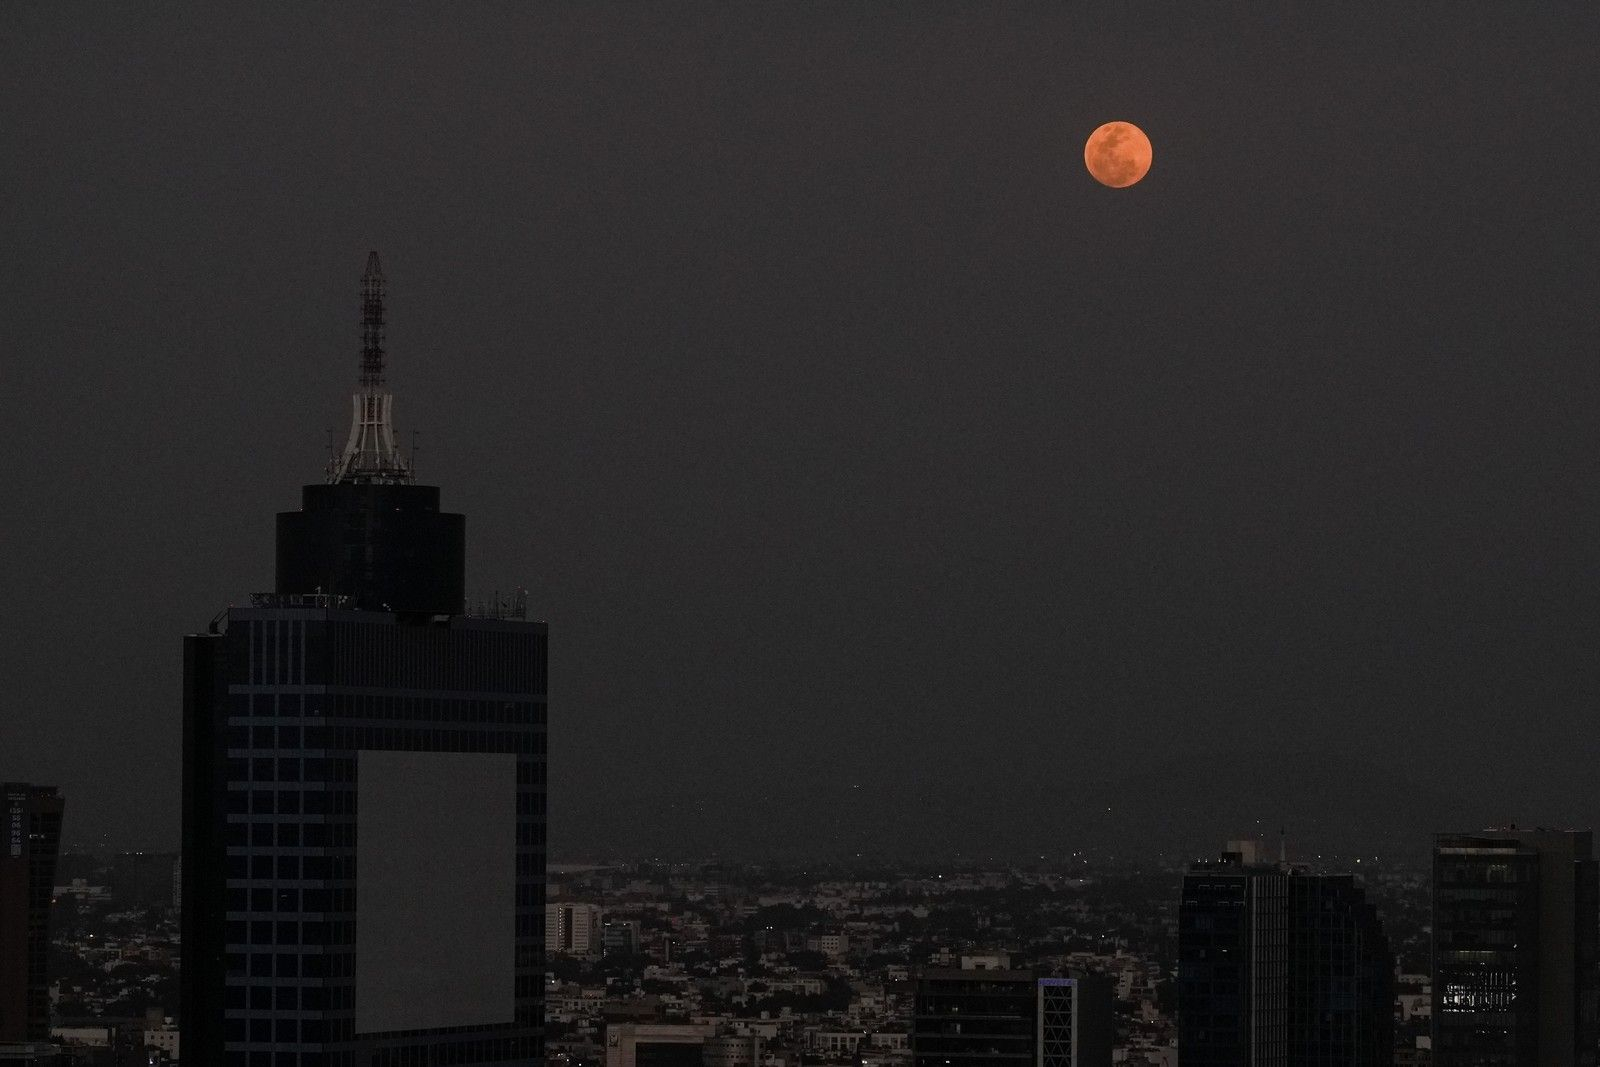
656 1044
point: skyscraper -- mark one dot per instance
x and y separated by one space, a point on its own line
27 879
1279 966
1514 948
364 776
981 1016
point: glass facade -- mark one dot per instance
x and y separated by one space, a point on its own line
1514 946
31 841
964 1018
975 1017
1280 966
299 695
364 788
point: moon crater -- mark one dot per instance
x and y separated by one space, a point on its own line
1117 154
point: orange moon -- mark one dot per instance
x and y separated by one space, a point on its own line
1117 154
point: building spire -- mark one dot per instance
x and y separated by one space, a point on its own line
370 455
372 324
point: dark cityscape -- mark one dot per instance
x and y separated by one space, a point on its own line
862 535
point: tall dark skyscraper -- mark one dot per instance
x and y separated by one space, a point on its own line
364 788
27 879
1278 966
1515 916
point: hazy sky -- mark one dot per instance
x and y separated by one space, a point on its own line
886 482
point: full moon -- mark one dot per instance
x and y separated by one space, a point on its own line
1117 154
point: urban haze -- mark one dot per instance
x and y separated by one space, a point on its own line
888 486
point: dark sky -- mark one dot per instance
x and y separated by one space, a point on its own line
888 485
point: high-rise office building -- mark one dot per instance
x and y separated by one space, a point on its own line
573 928
1514 949
992 1016
1279 966
364 777
27 878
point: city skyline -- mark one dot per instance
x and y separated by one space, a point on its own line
855 441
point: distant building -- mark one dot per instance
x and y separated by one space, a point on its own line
87 1036
742 1050
31 842
984 1016
1279 967
1413 1057
836 1043
620 935
79 889
727 943
988 961
1514 948
657 1044
163 1038
572 928
31 1054
833 946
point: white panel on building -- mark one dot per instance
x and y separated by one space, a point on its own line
436 861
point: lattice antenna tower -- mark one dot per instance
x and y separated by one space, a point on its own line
370 454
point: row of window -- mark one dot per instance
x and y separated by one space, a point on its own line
529 742
242 764
242 934
241 771
291 1059
241 734
291 997
283 932
282 769
317 965
290 1031
288 768
292 834
390 706
1500 935
530 894
459 659
530 864
241 965
291 802
320 835
290 868
329 802
1525 871
291 900
1461 894
288 932
526 1049
440 710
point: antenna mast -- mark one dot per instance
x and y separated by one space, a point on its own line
371 455
372 325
